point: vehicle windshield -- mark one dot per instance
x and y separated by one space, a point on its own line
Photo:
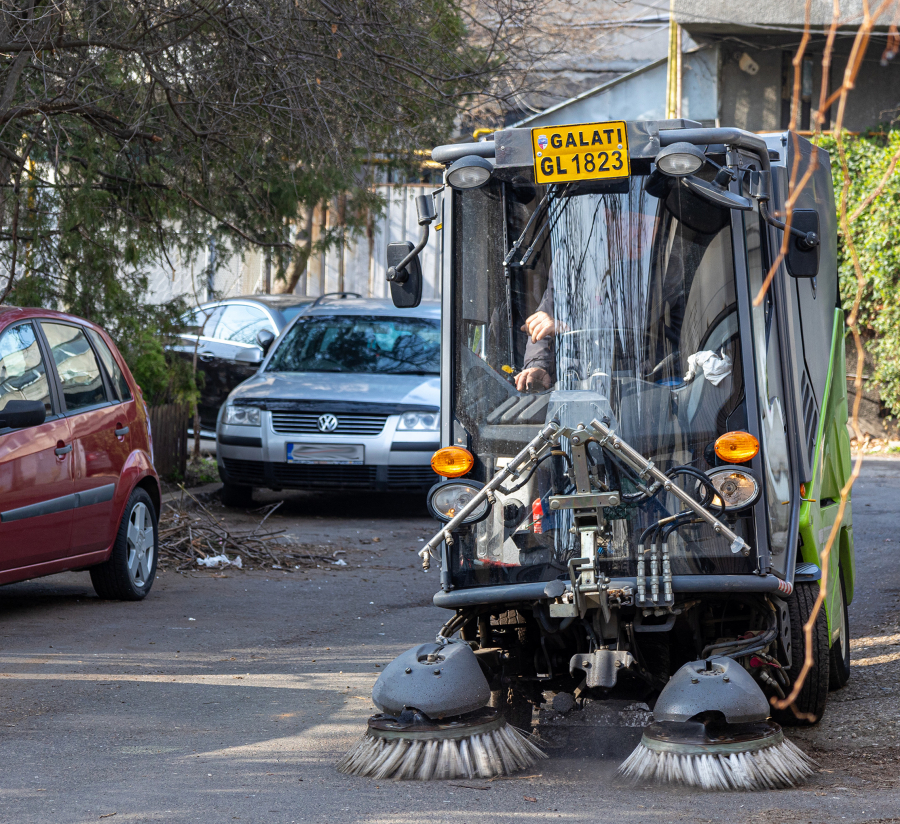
617 304
360 344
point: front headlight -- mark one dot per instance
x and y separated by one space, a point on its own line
241 416
737 488
419 422
446 500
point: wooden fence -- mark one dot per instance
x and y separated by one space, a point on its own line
169 425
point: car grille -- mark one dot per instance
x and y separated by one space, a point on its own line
328 476
245 471
404 477
306 423
348 477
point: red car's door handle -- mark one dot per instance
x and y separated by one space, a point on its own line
121 431
63 450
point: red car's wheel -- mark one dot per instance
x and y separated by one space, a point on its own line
131 568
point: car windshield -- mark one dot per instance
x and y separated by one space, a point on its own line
360 344
618 304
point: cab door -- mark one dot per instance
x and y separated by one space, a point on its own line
100 430
36 464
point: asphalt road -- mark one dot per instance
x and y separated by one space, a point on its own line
229 698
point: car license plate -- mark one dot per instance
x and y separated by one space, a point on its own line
588 151
325 453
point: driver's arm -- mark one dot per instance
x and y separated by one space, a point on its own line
540 362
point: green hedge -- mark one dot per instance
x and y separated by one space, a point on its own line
876 236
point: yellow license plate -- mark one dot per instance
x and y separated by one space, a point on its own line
587 151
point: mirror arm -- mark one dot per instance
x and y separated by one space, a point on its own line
397 274
805 240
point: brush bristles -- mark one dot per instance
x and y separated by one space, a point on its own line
502 751
779 766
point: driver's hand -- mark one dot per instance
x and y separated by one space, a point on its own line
533 379
539 325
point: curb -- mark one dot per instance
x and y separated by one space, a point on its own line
197 490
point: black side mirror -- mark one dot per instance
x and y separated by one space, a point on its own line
265 339
404 271
803 251
406 283
22 414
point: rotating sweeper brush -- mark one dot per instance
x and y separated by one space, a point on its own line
711 730
434 722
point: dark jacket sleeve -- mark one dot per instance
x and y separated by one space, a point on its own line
542 354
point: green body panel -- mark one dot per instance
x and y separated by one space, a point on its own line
831 469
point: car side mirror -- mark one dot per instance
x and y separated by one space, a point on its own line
252 355
406 282
803 251
22 414
265 339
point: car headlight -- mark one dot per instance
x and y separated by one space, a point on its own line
241 416
737 488
419 422
447 499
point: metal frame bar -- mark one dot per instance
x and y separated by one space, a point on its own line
513 593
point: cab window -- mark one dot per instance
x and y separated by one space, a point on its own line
23 375
76 365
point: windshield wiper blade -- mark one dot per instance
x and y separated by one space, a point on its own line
531 220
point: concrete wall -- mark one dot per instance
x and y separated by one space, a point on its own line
750 101
641 95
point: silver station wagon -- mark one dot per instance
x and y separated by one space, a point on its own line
347 397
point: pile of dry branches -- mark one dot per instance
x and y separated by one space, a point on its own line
190 533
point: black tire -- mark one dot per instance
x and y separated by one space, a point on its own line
237 497
130 571
814 693
839 671
512 701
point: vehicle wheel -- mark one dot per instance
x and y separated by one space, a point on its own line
131 568
814 694
239 497
516 708
839 673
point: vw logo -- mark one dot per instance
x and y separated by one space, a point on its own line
327 423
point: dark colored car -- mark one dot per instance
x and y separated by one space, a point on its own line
77 485
224 334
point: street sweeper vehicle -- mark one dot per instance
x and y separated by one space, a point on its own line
643 450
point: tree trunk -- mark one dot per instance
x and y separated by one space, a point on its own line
301 254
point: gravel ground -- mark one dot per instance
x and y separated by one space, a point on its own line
257 681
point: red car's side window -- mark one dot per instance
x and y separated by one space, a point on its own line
115 375
77 366
23 376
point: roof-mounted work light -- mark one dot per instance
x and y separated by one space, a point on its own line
680 159
469 172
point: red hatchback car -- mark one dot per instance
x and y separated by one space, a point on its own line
77 485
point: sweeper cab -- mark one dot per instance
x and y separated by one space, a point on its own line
643 446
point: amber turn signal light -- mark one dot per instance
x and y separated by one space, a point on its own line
452 461
737 447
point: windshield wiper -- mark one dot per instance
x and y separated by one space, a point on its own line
537 235
521 238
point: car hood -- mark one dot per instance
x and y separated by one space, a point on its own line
335 386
